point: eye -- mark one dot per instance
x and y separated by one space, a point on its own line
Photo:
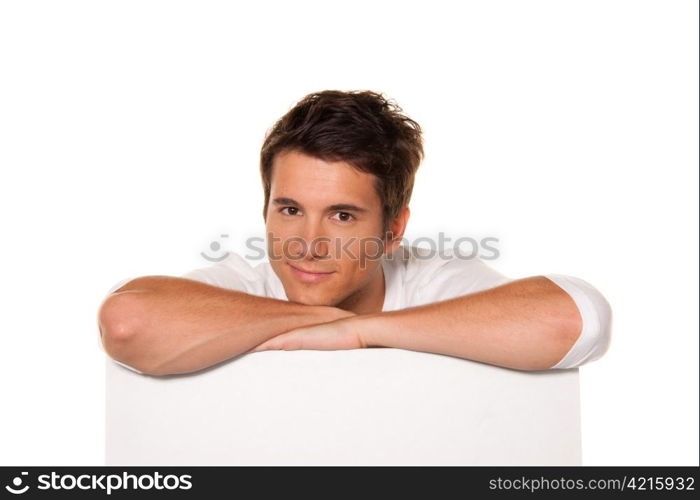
290 210
343 217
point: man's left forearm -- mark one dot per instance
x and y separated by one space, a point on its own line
527 324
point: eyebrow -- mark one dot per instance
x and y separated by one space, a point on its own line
347 207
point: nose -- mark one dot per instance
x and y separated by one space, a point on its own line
312 243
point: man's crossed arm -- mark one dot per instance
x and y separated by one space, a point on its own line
162 325
527 324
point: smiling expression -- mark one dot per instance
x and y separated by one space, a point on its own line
324 228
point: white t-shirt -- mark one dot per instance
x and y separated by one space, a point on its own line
415 276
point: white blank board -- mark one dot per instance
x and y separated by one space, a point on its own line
357 407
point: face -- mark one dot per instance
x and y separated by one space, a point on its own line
324 229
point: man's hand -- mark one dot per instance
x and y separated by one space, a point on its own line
335 335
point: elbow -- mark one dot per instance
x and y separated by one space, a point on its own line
118 324
570 329
116 321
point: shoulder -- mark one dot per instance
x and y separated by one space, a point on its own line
431 275
234 273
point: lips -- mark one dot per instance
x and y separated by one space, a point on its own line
310 271
309 276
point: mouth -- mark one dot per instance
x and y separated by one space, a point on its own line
309 276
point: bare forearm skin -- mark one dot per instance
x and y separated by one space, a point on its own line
527 324
166 325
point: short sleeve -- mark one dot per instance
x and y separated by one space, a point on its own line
452 277
119 284
234 273
596 315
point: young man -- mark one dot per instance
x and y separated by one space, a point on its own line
337 174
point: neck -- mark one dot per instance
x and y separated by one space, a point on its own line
369 299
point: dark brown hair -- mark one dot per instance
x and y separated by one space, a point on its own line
361 128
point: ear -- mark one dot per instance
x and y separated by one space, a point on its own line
397 228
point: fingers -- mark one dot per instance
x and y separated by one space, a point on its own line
267 346
275 343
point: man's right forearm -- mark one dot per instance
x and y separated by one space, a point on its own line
165 325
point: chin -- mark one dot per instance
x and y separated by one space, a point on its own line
310 299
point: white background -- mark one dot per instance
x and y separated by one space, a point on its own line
129 140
